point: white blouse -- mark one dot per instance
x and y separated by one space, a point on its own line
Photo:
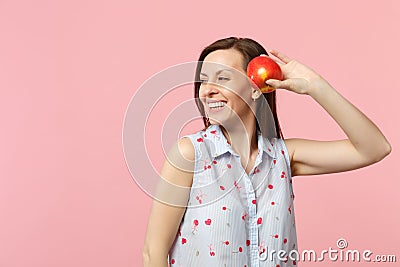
235 219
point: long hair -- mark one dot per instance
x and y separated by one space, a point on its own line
249 50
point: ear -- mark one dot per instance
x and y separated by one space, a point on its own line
255 93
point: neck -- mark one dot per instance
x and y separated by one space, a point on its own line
242 137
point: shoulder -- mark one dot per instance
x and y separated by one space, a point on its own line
179 164
186 148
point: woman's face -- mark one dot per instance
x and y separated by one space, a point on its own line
225 90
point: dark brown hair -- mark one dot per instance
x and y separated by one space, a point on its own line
249 49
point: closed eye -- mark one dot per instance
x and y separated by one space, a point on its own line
219 78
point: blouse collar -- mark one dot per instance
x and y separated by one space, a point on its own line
221 144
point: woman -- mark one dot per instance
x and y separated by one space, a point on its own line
238 206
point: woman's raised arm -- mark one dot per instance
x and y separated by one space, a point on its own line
365 144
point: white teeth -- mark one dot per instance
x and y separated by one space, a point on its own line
216 104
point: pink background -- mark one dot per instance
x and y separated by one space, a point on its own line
68 70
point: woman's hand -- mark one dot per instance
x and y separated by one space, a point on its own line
297 77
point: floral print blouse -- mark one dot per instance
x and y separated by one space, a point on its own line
236 219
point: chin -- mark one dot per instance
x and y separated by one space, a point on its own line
227 123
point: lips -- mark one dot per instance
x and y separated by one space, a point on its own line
214 100
216 105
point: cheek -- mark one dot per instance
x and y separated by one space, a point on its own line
202 98
202 94
238 102
242 87
243 94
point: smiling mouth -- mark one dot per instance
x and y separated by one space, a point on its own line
216 106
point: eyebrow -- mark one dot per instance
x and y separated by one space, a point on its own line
218 72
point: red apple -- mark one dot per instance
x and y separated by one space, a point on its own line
262 68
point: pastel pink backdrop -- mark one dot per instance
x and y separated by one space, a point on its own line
68 70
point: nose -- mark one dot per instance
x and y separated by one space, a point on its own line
207 89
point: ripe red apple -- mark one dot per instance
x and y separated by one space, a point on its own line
262 68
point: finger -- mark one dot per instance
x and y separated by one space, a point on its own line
273 83
281 56
285 84
279 63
